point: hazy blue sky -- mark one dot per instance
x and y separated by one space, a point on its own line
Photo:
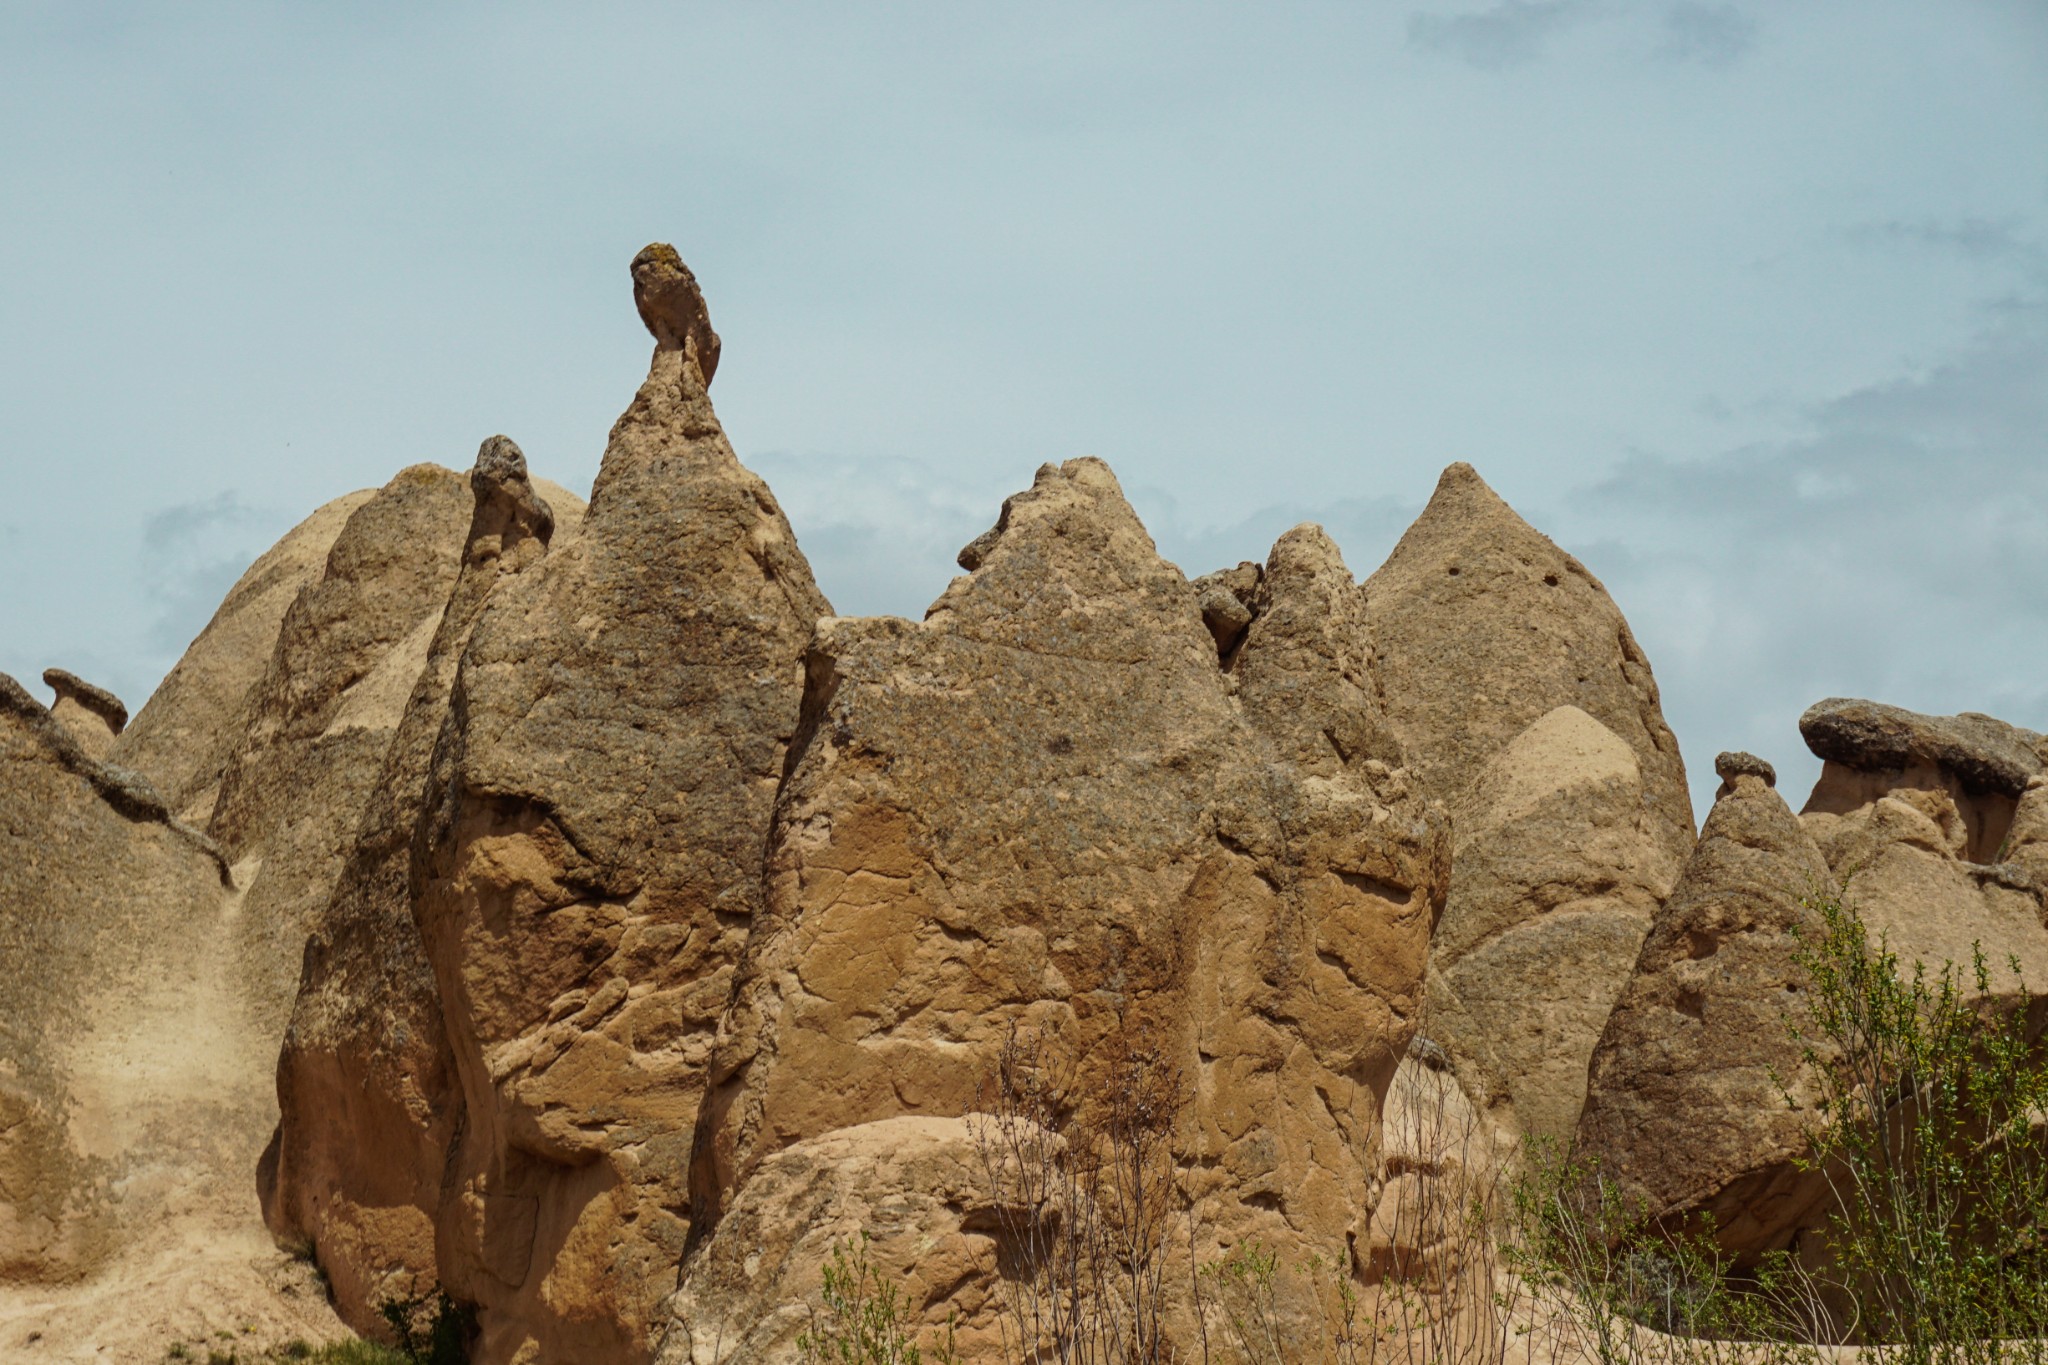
1746 304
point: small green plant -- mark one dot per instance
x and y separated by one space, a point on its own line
1243 1287
862 1319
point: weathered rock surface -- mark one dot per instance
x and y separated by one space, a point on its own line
186 732
589 862
103 903
1686 1097
1048 806
1919 819
366 1089
347 654
93 715
914 1188
1526 706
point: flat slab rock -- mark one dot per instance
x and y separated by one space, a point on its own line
1984 753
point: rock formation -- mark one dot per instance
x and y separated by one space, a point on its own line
318 724
1526 706
192 723
366 1089
93 715
1043 807
131 1094
589 861
1685 1102
1919 819
623 936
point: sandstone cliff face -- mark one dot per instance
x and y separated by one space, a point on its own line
366 1090
1526 706
1685 1102
183 737
589 861
1044 807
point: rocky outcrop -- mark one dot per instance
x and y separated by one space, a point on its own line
1869 751
347 655
93 715
1049 807
105 901
589 862
366 1089
186 732
1920 819
1686 1104
1525 704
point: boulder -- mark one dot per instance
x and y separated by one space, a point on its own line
1049 807
589 859
187 730
909 1197
93 715
365 1085
1525 705
1686 1104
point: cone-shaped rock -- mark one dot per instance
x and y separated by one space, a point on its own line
366 1093
347 655
1044 807
589 861
1686 1098
1525 704
186 733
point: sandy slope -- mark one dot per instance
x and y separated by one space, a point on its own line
173 1087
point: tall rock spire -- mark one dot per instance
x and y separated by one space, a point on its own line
589 857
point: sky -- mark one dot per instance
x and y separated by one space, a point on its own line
1744 304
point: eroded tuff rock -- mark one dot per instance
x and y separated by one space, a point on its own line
93 715
1932 827
589 861
1686 1097
347 654
916 1188
1525 704
366 1089
1044 807
186 732
108 910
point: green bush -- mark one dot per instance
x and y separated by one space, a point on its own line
1929 1130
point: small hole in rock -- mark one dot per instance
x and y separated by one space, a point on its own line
1550 580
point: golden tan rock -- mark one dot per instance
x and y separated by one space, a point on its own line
1524 704
93 715
910 1195
1049 806
188 729
589 861
1931 825
1686 1101
131 1086
347 655
366 1089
